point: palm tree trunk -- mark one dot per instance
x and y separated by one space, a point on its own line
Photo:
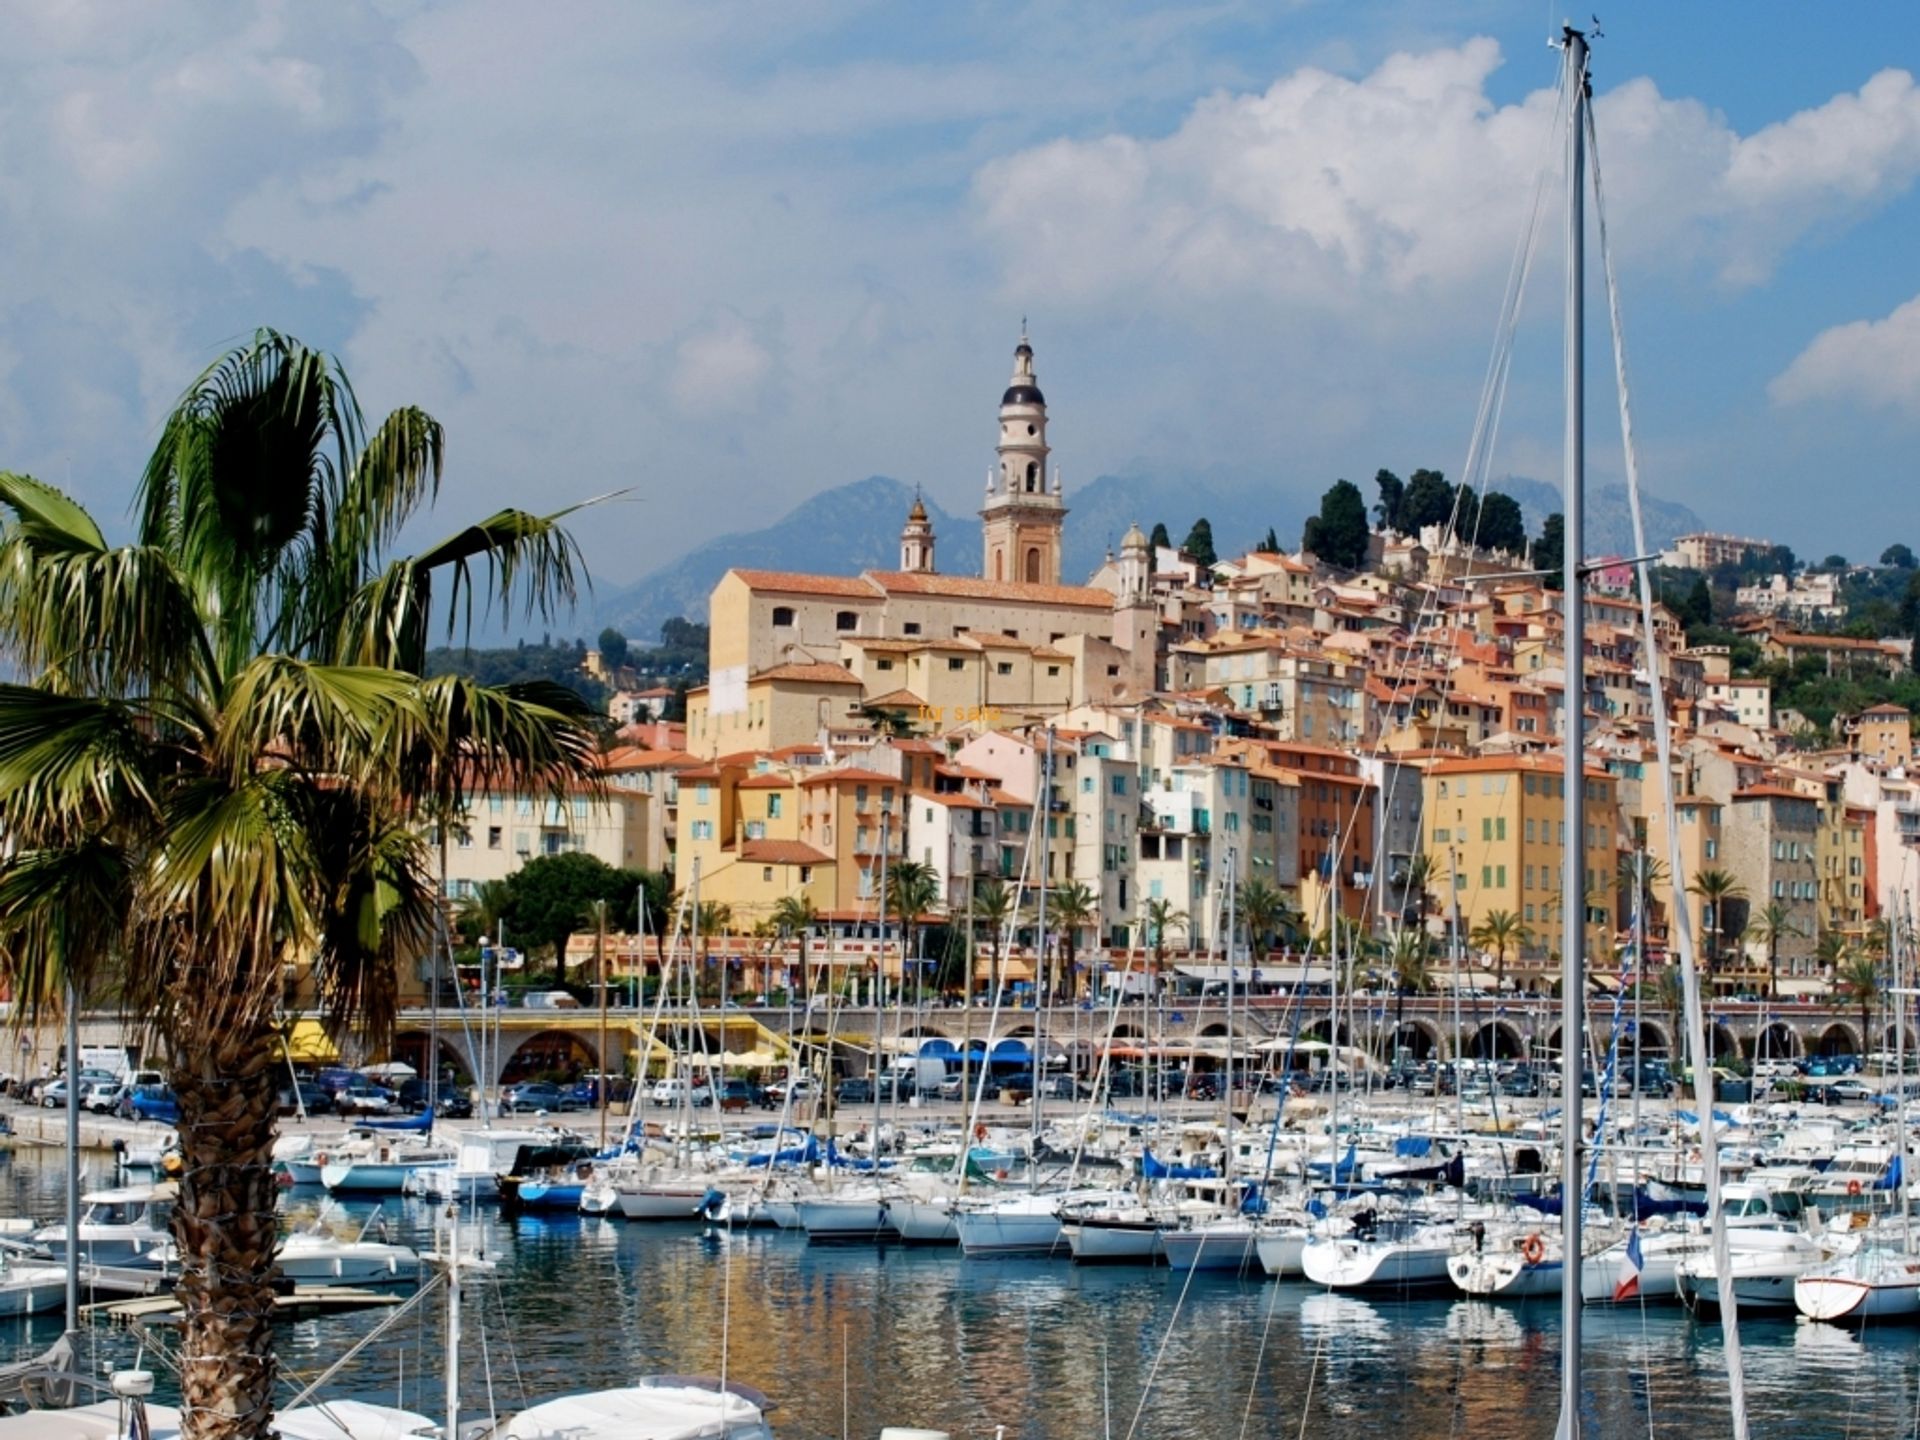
224 1222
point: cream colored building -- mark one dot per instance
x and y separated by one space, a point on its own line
501 830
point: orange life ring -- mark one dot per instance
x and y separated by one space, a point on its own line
1532 1250
980 1132
1853 1187
321 1158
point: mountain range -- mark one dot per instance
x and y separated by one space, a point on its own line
856 526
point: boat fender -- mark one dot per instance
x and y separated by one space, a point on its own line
1532 1251
321 1158
980 1132
1853 1187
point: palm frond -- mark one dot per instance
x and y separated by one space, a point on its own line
70 763
63 912
329 718
462 738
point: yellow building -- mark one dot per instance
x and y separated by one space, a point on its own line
1496 837
1882 736
786 705
742 825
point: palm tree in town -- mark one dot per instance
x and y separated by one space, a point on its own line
1070 909
1262 909
1770 927
1162 916
1500 931
1860 977
222 761
913 891
1715 888
714 917
1417 886
992 908
1640 875
1411 952
1831 951
794 916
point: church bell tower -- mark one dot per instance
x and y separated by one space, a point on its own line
1021 521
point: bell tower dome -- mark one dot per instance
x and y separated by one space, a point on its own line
1022 519
916 541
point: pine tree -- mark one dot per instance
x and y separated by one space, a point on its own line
1160 537
1271 545
1198 545
1393 501
1549 551
1338 534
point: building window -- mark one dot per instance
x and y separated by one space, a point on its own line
773 806
1713 849
1053 671
783 615
1003 668
1119 784
493 837
756 830
766 873
912 627
806 874
956 663
579 808
883 665
703 829
846 620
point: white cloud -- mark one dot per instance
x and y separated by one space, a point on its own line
719 369
1867 362
1411 181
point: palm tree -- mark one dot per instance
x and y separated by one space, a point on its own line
1162 916
793 917
1639 874
1411 951
1261 908
1832 950
479 915
1861 977
1071 909
1500 930
1715 888
914 890
992 907
224 761
1770 927
1418 885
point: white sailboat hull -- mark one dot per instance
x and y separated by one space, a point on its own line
1504 1275
1225 1246
1280 1253
1008 1233
854 1220
1099 1241
1376 1266
923 1222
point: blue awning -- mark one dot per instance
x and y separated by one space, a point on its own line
1011 1049
938 1047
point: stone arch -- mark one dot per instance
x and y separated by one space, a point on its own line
1838 1037
542 1051
1324 1030
1722 1041
1125 1031
1779 1041
1217 1029
925 1032
1496 1040
1654 1040
1550 1044
1422 1038
410 1048
1033 565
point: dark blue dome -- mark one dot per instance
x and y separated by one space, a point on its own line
1023 395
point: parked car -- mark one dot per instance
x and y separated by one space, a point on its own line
1849 1089
451 1103
154 1102
739 1094
363 1097
534 1095
801 1087
675 1090
957 1086
855 1090
306 1095
103 1097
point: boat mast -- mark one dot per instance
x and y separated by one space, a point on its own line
1041 994
1573 909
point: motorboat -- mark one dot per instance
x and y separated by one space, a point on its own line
124 1227
372 1162
315 1255
661 1407
1875 1282
485 1155
30 1287
1764 1266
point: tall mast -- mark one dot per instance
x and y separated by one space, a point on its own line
1573 887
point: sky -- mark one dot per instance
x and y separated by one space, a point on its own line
722 257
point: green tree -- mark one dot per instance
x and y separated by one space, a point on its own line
1549 551
1393 495
676 711
1270 545
1770 927
1159 539
1428 501
1198 546
1502 526
1834 563
1162 916
1261 909
992 908
913 891
1466 514
1860 978
613 648
220 761
1500 931
1715 888
479 914
1071 909
1900 557
1699 605
794 917
551 896
1410 956
1910 606
1338 534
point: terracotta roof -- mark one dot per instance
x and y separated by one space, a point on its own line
1887 709
814 674
1771 792
966 587
1495 764
953 799
897 697
794 752
863 777
767 782
961 772
793 583
782 852
655 760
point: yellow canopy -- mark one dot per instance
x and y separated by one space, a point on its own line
308 1041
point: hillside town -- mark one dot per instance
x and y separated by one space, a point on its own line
1342 752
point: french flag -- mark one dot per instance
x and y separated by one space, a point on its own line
1626 1282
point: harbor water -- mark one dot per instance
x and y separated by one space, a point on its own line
1048 1350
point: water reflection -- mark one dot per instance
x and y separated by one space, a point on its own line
1047 1349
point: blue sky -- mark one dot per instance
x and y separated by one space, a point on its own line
729 256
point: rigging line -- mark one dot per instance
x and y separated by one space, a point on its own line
1696 1022
411 1303
1260 1355
1166 1339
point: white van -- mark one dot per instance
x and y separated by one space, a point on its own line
549 1000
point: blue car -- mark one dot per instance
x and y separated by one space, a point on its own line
154 1102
